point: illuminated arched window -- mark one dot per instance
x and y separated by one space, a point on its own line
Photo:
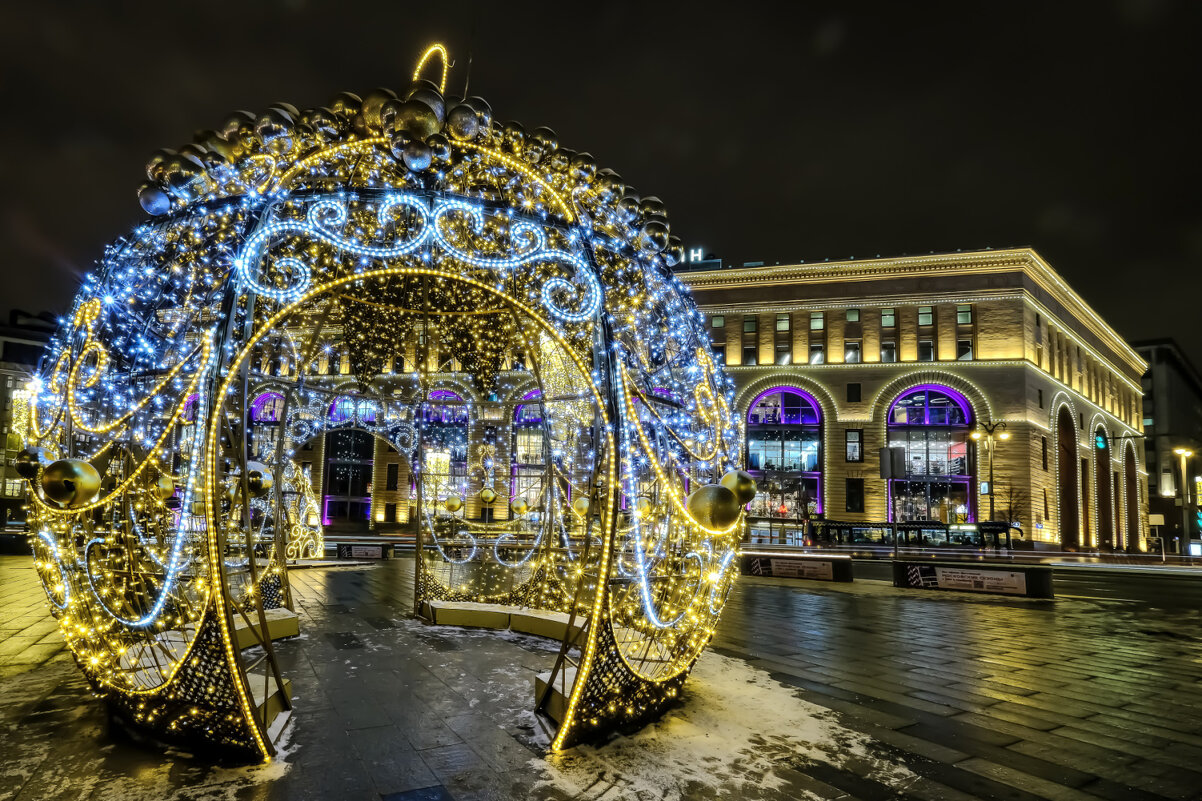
267 408
784 453
932 424
351 408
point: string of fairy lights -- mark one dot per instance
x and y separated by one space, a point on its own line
404 265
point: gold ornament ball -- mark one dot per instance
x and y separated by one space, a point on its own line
713 506
642 505
164 487
519 506
581 505
488 496
71 482
453 503
27 463
258 479
741 484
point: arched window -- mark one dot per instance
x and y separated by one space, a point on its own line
445 406
932 424
1104 482
189 414
350 408
267 408
784 445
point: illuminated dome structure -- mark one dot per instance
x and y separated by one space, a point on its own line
404 266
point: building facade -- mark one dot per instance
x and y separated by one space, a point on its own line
973 364
21 343
1172 420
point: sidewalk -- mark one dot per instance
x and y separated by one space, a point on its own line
809 690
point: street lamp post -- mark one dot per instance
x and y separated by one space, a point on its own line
1184 453
987 431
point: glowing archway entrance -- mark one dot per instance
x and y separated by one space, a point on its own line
364 263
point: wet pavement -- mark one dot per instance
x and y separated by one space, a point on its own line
810 690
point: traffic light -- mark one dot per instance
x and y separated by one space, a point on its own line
1100 441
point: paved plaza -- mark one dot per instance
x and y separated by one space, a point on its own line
810 690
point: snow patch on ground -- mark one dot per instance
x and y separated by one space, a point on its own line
737 732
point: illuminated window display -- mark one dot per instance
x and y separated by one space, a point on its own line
784 436
932 424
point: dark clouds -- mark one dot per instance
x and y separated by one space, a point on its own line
774 132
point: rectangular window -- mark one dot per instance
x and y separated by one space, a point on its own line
1038 320
853 393
749 354
926 350
851 352
964 350
393 474
888 351
718 321
926 315
390 512
855 495
719 354
964 314
749 324
1040 391
853 315
1046 513
888 318
1043 444
1147 422
784 353
782 322
817 321
854 441
817 354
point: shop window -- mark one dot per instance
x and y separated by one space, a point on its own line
931 424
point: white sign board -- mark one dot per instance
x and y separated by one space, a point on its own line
966 578
367 552
803 568
1155 520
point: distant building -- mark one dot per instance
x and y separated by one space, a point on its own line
833 361
1172 419
21 343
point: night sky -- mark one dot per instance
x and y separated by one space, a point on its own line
773 132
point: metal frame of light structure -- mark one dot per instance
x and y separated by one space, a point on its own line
990 432
350 235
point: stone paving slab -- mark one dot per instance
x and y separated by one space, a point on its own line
850 691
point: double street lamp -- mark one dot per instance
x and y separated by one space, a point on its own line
1184 453
989 432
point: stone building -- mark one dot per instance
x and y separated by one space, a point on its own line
834 361
21 343
1172 420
